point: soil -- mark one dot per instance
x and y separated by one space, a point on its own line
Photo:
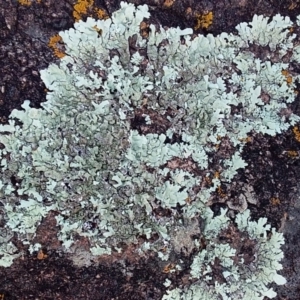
273 162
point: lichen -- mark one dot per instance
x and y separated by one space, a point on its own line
168 3
286 74
79 155
101 14
296 132
203 21
88 8
81 8
54 43
25 2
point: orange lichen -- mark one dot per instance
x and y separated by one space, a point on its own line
296 132
41 255
287 76
81 8
163 249
54 41
188 200
25 2
293 5
246 140
217 146
221 192
168 3
99 30
144 29
275 201
203 21
292 153
207 180
169 268
101 14
217 175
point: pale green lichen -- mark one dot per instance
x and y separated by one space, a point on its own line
79 157
242 278
254 273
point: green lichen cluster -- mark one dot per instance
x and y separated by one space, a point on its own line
79 157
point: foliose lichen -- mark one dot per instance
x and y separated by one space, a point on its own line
79 157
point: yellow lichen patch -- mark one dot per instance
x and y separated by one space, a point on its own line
292 153
287 76
25 2
101 14
81 8
168 3
54 41
296 132
203 21
275 201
